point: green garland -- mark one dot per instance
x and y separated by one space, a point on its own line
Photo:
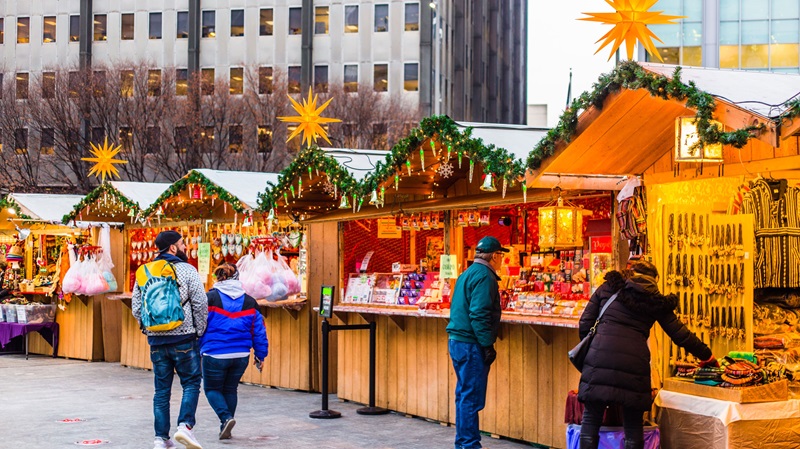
194 177
630 75
94 195
315 158
792 110
496 161
8 202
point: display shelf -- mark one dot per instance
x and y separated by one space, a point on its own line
124 297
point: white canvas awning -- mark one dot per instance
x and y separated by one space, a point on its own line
50 207
244 185
142 193
516 139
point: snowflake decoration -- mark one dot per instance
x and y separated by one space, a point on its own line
328 188
445 170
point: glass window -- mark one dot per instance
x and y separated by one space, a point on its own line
412 16
672 7
209 23
2 30
351 19
49 84
74 28
181 81
411 77
755 32
237 81
295 26
729 56
692 34
755 9
692 56
693 10
729 33
49 29
126 83
47 141
100 27
265 22
23 30
265 80
785 31
321 78
155 25
127 27
22 86
182 139
152 140
785 9
381 18
755 56
183 25
154 83
380 77
351 78
321 20
207 81
235 138
670 34
21 140
294 79
237 22
99 83
784 55
126 139
264 140
729 9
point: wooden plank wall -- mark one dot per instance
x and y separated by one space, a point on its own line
528 384
134 351
80 331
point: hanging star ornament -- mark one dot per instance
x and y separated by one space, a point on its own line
310 120
104 160
630 24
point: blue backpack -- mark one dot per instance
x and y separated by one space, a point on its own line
162 309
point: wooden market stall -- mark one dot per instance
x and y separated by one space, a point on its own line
640 122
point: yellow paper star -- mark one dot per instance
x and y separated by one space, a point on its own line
104 160
630 24
309 121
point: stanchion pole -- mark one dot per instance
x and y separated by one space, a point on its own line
324 413
371 409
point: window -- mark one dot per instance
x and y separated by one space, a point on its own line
182 139
207 81
126 139
183 25
155 25
235 138
380 136
321 78
152 140
2 30
265 80
265 22
126 83
99 83
100 27
381 18
209 23
154 83
380 77
23 30
321 20
49 29
48 84
237 22
294 21
127 27
73 84
294 79
264 140
74 28
47 141
351 78
21 140
412 16
411 77
98 135
351 19
181 81
22 86
207 135
237 81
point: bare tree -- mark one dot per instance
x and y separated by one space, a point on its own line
19 163
266 99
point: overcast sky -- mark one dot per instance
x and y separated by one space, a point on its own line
558 41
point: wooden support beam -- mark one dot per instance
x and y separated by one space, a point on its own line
368 317
545 333
399 321
291 312
574 182
735 117
342 316
767 166
790 129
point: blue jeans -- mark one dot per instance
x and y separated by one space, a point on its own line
473 375
183 358
220 381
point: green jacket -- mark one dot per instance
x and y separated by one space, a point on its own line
475 306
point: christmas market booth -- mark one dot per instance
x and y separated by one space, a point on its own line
714 202
118 205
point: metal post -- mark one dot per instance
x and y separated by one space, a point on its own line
324 413
371 409
195 30
307 15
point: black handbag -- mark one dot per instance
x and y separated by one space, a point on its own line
577 355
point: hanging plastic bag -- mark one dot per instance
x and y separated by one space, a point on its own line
289 278
72 280
93 281
257 279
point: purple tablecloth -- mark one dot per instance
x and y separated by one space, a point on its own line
49 332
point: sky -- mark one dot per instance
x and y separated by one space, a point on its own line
557 41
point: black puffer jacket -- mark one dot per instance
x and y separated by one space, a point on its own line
617 366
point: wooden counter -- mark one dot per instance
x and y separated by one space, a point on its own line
81 331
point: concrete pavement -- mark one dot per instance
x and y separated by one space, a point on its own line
116 405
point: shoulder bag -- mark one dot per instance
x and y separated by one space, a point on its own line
577 355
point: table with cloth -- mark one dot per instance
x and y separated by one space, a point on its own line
49 331
688 422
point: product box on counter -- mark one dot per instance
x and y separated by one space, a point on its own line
772 392
36 313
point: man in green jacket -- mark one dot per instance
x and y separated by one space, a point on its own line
474 322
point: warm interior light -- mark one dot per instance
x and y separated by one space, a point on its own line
560 226
686 137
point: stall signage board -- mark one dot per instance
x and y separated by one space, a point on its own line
326 301
600 244
204 258
365 261
447 264
388 229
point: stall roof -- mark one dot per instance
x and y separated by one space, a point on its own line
516 139
358 162
142 193
49 207
244 185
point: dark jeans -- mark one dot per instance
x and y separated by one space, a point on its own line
593 419
183 358
220 381
472 376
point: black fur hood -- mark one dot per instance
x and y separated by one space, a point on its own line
640 294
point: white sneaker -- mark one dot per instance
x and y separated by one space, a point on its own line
185 436
163 444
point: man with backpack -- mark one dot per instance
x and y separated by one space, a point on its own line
170 303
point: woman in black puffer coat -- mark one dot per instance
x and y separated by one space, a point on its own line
617 366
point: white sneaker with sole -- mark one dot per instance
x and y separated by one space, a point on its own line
163 444
185 436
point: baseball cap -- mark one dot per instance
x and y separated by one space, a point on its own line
167 238
490 244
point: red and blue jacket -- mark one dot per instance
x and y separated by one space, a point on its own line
234 325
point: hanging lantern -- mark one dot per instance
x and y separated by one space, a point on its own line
488 183
686 138
373 200
344 204
560 225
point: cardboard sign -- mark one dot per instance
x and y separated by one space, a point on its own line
600 244
448 266
388 229
204 258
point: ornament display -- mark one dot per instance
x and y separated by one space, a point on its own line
445 170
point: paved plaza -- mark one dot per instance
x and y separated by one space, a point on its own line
115 404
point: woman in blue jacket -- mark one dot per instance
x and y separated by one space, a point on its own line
234 327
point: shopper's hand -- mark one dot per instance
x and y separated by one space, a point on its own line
259 364
489 354
710 363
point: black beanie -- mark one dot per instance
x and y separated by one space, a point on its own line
167 238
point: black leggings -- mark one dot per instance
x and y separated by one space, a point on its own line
593 419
